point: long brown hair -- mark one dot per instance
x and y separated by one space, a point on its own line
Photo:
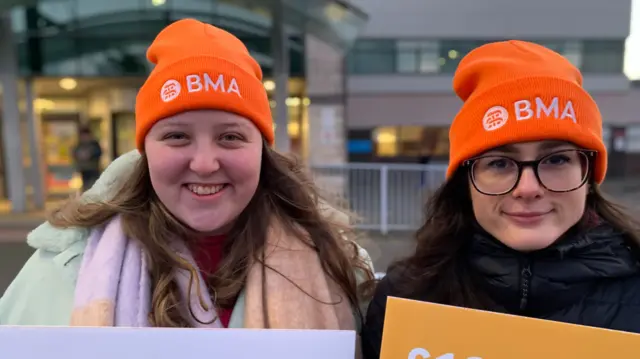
285 193
437 269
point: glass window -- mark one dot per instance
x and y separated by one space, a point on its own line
573 52
441 147
554 45
124 126
60 134
443 56
386 140
632 138
407 56
89 8
606 136
429 57
410 133
56 12
410 140
417 56
89 38
57 56
451 51
188 5
571 49
372 57
18 23
435 141
603 56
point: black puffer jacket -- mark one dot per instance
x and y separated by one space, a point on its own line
590 279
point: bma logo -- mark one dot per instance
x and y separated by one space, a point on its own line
526 109
204 82
421 353
495 118
170 90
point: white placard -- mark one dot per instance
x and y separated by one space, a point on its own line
171 343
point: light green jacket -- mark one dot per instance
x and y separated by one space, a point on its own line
43 291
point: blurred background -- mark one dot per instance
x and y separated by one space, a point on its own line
360 89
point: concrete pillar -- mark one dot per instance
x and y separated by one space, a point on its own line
326 143
280 54
325 89
37 170
14 172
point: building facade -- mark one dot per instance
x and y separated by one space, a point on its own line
66 63
71 62
400 101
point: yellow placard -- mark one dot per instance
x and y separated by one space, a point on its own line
419 330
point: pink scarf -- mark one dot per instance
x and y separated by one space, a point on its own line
113 287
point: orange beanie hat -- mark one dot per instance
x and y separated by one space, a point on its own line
516 91
199 66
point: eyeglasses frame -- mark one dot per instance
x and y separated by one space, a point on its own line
591 155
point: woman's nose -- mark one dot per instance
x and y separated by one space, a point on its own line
528 185
204 161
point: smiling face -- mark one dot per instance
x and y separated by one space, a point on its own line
205 167
529 217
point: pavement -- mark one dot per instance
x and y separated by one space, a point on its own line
384 250
12 258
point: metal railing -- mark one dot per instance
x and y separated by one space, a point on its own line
385 197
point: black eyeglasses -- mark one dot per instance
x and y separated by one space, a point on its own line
561 171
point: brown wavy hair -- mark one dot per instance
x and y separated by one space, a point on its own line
285 193
437 270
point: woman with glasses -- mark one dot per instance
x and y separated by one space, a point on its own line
520 226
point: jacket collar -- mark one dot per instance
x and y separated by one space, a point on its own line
544 281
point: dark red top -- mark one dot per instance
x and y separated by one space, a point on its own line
208 254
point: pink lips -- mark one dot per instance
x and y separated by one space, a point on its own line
526 218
